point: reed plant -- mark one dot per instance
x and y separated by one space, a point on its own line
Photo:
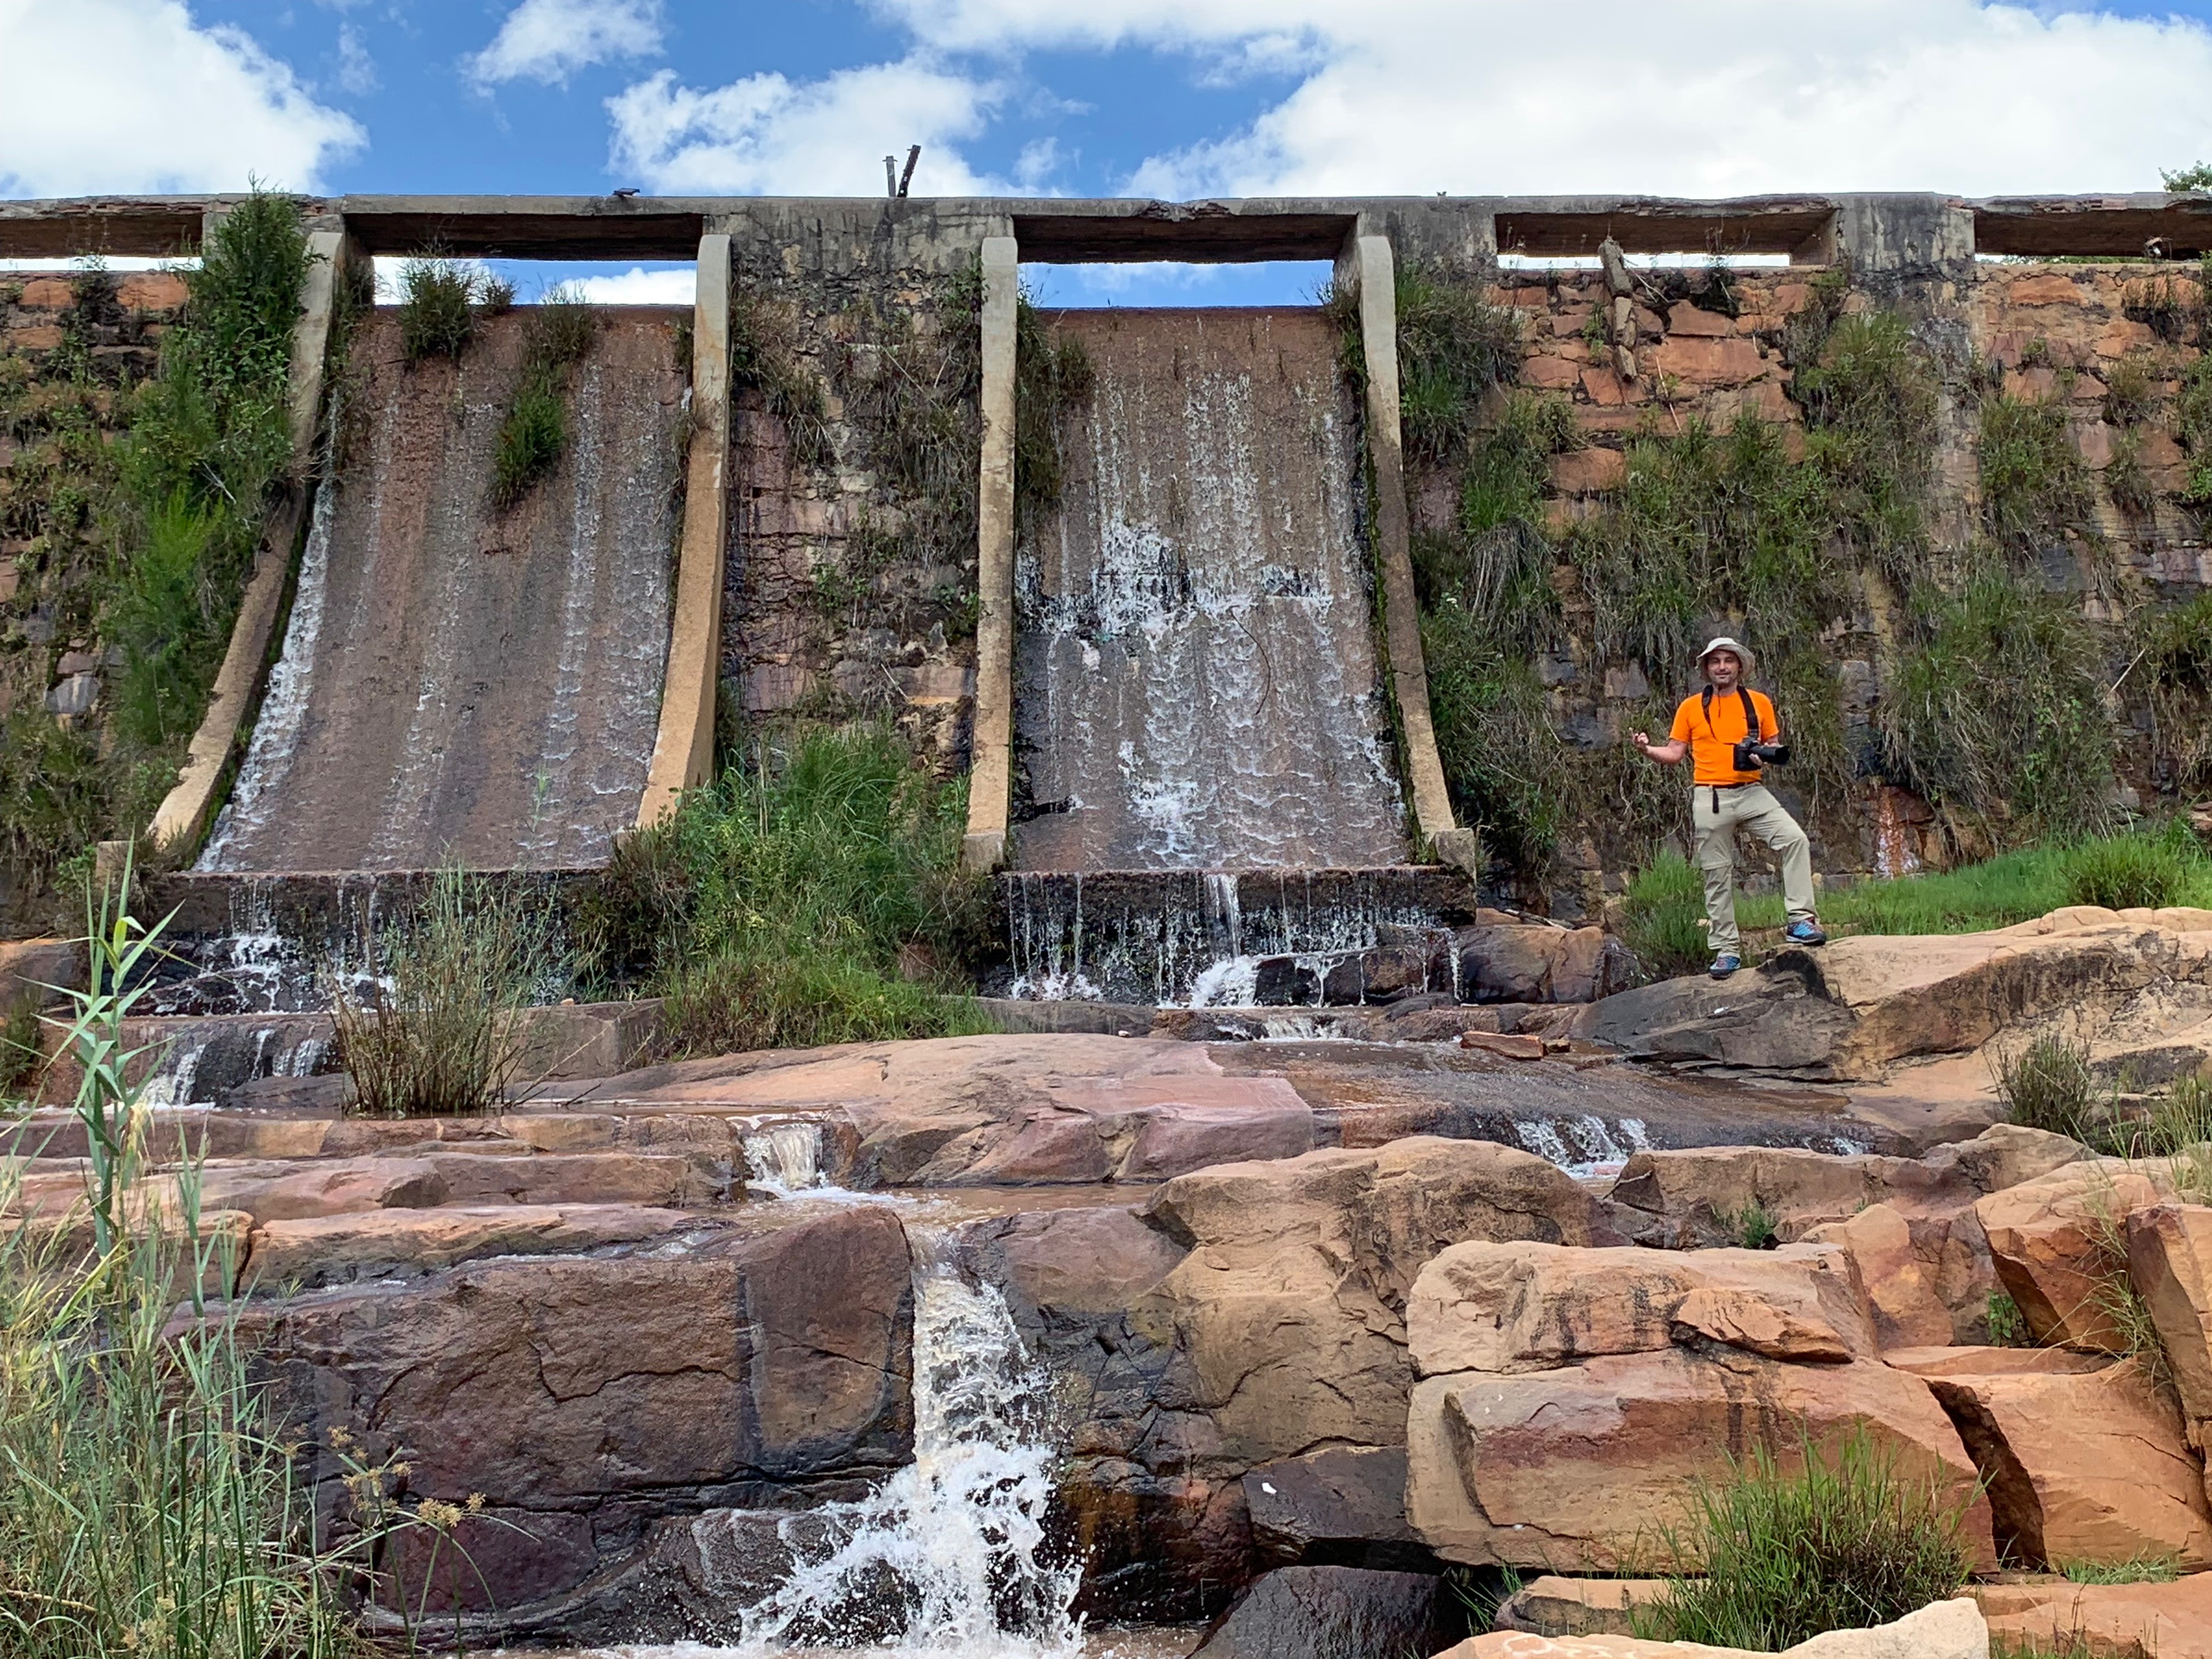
148 1506
434 1032
1782 1554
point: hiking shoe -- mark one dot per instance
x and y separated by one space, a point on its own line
1804 933
1724 964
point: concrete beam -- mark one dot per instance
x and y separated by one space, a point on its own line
182 818
2120 225
1366 265
683 747
990 775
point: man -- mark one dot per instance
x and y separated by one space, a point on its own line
1712 728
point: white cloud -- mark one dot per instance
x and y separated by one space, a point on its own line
1706 97
133 95
638 287
766 134
548 41
356 68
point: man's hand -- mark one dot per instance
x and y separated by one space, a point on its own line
1666 753
1641 739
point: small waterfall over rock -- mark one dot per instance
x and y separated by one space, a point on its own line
784 1158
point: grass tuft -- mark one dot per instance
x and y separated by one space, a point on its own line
1665 920
437 299
534 431
2048 1085
2136 1569
1845 1543
433 1033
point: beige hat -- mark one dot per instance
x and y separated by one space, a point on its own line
1723 643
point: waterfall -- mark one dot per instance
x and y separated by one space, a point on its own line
955 1539
784 1158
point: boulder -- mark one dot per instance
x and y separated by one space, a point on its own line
1994 1362
2171 1621
1523 1307
1344 1504
1909 1309
1946 1630
585 1397
1322 1613
2170 1263
1553 1605
2082 1468
1542 965
1286 1315
1585 1466
2060 1243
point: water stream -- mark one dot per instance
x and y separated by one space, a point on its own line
950 1555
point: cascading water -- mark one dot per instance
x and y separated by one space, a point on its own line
1197 686
784 1158
948 1559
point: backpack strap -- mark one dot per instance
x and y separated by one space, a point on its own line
1750 715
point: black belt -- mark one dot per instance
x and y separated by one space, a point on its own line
1748 783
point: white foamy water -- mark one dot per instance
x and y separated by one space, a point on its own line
955 1538
784 1158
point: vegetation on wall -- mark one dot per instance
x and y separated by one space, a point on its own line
143 544
533 432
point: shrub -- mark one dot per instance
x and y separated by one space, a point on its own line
1846 1543
437 307
1453 347
1751 1227
791 901
2048 1085
1506 766
2193 425
2035 482
434 1034
1666 915
534 431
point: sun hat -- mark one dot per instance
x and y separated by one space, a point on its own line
1724 642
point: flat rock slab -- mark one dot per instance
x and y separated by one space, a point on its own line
1947 1630
2172 1620
311 1252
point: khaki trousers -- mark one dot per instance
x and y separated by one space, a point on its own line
1747 806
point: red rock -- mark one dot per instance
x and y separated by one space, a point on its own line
2086 1467
2109 1621
1686 320
47 294
1510 1047
2060 1240
2046 290
1549 372
1704 363
151 290
1587 471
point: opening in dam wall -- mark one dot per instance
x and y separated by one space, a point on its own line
1196 683
461 682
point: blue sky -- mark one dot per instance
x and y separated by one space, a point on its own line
1177 98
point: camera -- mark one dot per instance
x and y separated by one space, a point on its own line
1751 754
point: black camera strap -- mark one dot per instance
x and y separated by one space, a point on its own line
1750 724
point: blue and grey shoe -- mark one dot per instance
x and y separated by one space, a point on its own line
1804 933
1724 964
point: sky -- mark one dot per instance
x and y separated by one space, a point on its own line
1177 99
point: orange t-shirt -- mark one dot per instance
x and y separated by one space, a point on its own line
1712 747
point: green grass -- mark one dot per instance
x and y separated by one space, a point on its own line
2137 1570
437 299
1751 1227
808 896
533 434
1845 1543
2048 1085
2152 866
432 1036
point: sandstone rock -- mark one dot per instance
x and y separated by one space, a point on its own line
315 1251
618 1389
2060 1240
1320 1613
2170 1263
1540 965
2108 1621
1523 1307
2086 1467
1994 1362
1342 1503
1908 1311
1287 1313
1581 1468
1551 1606
1947 1629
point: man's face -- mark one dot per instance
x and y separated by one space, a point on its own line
1723 668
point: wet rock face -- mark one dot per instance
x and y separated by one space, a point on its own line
585 1397
1318 1612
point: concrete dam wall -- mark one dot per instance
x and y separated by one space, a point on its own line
458 683
1196 682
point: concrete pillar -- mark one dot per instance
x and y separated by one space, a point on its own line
182 818
990 777
683 747
1366 267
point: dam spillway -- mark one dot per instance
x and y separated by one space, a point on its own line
1196 681
458 683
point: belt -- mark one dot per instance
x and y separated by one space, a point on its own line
1748 783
